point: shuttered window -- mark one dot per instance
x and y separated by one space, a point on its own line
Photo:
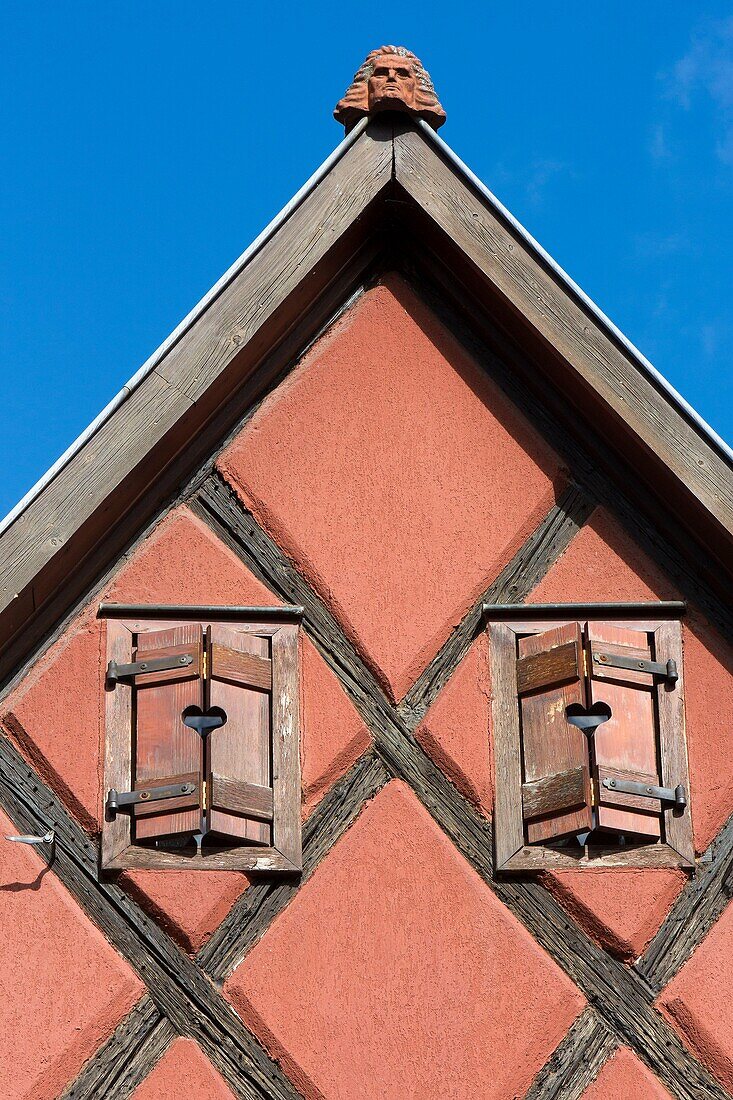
202 758
588 731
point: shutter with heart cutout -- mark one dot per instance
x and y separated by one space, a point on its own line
556 792
240 794
166 751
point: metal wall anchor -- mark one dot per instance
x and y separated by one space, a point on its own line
662 794
47 838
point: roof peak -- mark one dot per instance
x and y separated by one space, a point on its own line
391 78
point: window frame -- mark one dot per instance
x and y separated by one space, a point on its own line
504 622
282 624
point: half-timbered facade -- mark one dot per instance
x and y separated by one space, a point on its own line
367 680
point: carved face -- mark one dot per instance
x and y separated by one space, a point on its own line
392 83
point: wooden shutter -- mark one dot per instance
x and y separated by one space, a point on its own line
240 793
556 794
167 751
626 745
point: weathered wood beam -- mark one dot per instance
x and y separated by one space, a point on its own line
619 995
576 1061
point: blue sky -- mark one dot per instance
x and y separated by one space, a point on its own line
145 145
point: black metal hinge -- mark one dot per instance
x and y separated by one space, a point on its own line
643 790
118 800
117 672
613 660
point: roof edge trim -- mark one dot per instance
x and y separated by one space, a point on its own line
191 317
639 358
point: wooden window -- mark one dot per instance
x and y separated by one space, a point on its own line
202 757
587 724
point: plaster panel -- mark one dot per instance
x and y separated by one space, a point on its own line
709 717
56 718
63 987
402 955
624 1077
334 736
416 479
602 563
184 1070
620 909
189 905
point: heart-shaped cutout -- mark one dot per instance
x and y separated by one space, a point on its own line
204 721
588 719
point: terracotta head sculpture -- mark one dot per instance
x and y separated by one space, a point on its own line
391 79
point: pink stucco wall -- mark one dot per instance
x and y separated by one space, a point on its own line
399 481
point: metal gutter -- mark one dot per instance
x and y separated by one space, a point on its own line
641 361
150 364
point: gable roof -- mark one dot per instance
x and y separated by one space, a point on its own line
392 193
